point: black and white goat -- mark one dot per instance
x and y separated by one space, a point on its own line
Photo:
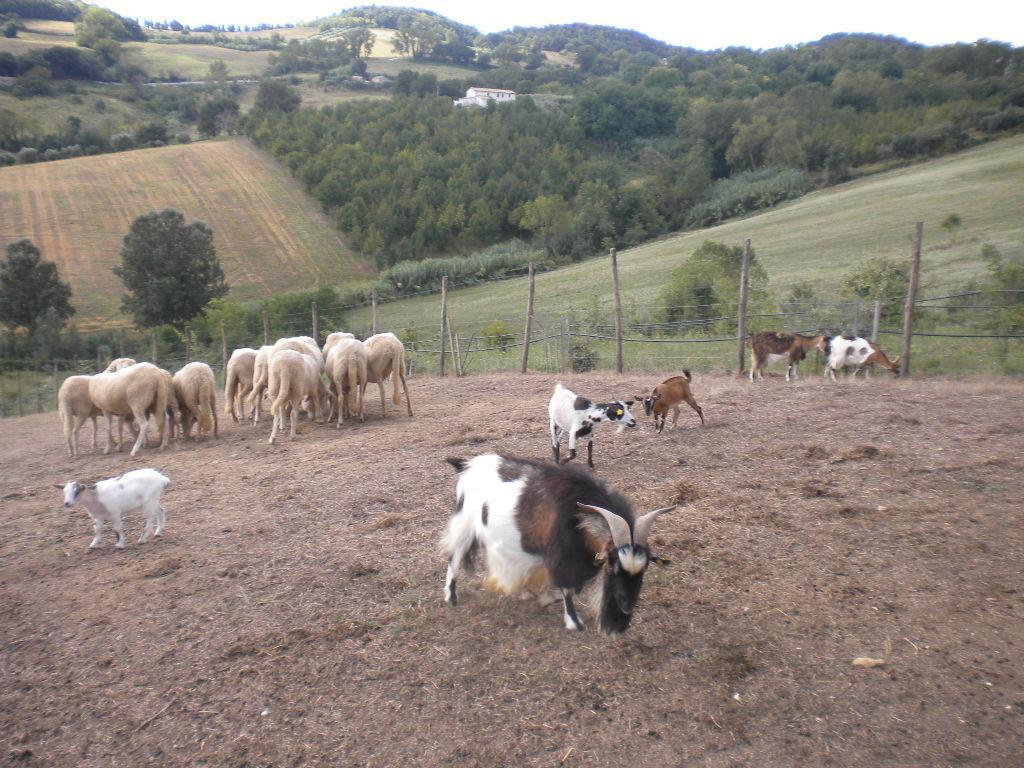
543 526
108 500
575 416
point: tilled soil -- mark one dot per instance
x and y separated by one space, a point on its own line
292 615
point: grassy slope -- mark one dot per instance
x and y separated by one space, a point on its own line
269 235
816 238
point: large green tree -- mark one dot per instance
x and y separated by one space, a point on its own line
170 270
30 287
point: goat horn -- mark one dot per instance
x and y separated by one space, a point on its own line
642 527
618 525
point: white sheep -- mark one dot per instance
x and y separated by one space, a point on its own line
295 376
108 500
334 338
385 356
238 380
75 408
119 363
195 388
260 380
346 375
132 392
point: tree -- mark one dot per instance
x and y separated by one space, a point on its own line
879 279
707 285
549 218
30 288
359 40
170 270
216 75
218 115
100 29
277 95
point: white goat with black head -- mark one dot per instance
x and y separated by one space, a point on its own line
543 526
576 416
108 500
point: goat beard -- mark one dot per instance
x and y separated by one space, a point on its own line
621 428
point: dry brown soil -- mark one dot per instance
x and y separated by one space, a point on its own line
293 613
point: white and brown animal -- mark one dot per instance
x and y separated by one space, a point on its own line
576 416
195 389
295 376
346 377
543 526
75 408
238 377
879 358
385 357
769 347
131 393
845 352
109 500
667 396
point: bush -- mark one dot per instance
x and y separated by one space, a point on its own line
7 158
28 155
497 335
583 357
75 150
747 192
51 154
122 141
183 138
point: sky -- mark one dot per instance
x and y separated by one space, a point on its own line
751 23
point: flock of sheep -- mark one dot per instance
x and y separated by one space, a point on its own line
549 530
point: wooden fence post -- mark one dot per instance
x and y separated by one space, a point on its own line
223 350
374 298
266 329
876 321
39 392
444 317
618 311
565 344
741 320
21 405
529 322
152 348
316 323
908 307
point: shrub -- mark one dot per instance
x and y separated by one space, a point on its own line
51 154
747 192
583 357
7 158
122 141
183 138
74 150
28 155
497 335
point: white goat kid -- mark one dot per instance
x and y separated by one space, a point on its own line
845 351
108 500
577 417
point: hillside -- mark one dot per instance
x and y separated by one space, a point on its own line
269 235
816 238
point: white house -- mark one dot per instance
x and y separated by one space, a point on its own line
478 97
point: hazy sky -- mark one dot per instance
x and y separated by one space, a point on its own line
703 25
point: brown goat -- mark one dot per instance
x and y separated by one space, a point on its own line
878 357
772 346
669 394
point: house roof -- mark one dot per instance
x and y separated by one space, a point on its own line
491 90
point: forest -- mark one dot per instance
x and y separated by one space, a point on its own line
631 143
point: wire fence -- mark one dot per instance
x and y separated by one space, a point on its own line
975 332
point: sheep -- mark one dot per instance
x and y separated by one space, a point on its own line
878 357
843 351
770 347
346 375
334 338
108 500
195 390
668 395
260 380
385 356
295 376
75 408
577 417
238 381
131 392
118 364
544 526
172 413
302 344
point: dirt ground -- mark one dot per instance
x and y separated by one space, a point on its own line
293 616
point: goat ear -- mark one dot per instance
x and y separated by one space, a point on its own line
601 556
629 403
58 485
659 560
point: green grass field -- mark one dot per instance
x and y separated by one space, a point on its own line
817 239
270 236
